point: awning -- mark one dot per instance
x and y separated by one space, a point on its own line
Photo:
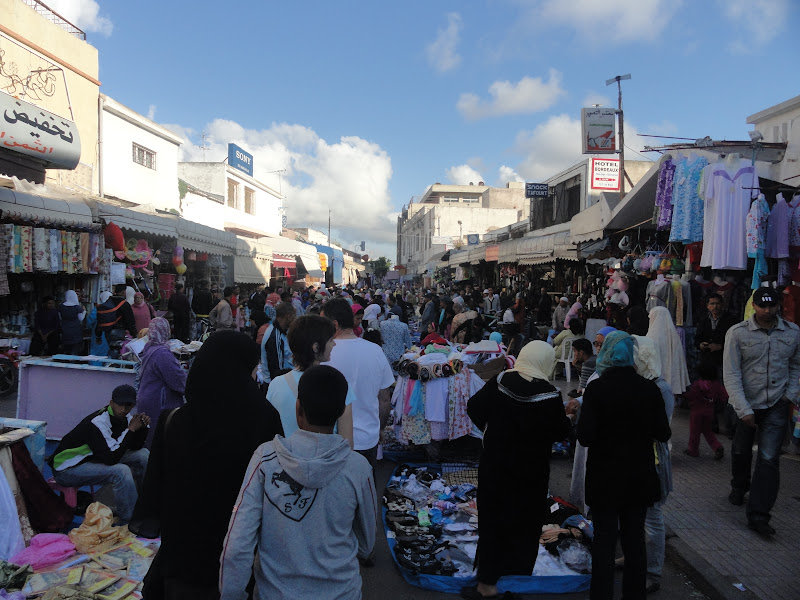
252 261
636 209
508 251
45 211
201 238
283 262
476 254
458 256
132 220
289 248
312 267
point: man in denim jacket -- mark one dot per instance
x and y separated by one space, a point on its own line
761 368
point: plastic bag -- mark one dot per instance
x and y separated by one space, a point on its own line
575 555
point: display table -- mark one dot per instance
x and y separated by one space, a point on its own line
63 389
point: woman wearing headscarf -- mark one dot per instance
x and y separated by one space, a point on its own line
648 365
162 380
71 314
622 414
673 359
358 315
203 447
458 329
521 414
574 312
143 313
371 314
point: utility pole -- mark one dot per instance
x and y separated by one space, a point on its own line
622 175
329 227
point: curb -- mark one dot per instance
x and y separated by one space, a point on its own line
702 573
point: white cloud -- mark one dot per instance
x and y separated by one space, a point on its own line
551 147
528 95
84 14
506 174
463 175
610 20
350 176
757 22
151 112
443 51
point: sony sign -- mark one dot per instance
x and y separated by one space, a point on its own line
239 159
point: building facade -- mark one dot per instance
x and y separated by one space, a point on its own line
775 125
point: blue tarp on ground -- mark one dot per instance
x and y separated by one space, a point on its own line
518 584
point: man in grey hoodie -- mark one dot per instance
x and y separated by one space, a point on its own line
307 507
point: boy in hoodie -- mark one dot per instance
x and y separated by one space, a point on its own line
307 507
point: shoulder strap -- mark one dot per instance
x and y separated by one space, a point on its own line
292 383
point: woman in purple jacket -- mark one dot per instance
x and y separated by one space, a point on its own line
162 380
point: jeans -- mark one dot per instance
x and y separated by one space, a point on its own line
654 535
125 477
771 425
630 522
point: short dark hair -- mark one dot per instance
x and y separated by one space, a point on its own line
339 310
228 291
707 370
178 286
304 333
322 392
123 394
582 344
286 297
374 336
284 309
576 326
713 296
47 299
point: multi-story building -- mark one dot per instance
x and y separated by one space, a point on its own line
445 216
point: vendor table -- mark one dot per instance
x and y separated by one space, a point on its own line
63 389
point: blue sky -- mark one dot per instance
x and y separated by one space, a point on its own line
365 104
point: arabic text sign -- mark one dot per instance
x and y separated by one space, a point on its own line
605 174
239 159
440 240
32 131
597 128
537 190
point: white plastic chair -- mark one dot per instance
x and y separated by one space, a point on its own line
566 360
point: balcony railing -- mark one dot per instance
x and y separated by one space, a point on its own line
52 16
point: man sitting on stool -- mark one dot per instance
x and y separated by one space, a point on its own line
107 447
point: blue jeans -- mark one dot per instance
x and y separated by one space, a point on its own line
125 477
771 425
654 535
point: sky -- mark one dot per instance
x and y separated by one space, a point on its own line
356 107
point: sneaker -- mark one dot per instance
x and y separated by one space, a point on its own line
652 586
761 527
736 497
719 453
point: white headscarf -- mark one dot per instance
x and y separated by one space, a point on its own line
669 348
130 294
104 296
536 360
645 357
71 298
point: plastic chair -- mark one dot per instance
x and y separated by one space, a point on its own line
566 360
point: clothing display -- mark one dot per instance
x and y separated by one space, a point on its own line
662 212
687 204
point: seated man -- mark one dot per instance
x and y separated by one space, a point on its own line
306 508
107 447
572 333
585 360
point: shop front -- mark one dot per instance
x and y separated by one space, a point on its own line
295 264
252 264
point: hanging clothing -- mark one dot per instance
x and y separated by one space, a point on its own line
663 205
732 190
687 204
41 249
659 293
4 290
55 250
778 230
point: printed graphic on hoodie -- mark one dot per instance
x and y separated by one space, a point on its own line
289 497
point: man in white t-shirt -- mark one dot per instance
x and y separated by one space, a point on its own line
368 374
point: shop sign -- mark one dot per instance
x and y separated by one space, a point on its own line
32 131
537 190
473 239
440 240
492 253
605 174
597 129
239 159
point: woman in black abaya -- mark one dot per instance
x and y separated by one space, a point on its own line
197 462
521 415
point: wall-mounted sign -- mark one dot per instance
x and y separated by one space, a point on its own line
597 128
32 131
440 240
605 174
473 239
239 159
492 253
536 190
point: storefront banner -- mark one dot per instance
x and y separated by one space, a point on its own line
597 129
492 253
32 131
605 174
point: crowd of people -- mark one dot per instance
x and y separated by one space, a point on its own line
307 378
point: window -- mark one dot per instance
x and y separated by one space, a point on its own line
249 201
471 200
144 157
233 194
451 199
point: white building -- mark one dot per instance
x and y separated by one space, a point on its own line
138 158
221 196
445 215
775 125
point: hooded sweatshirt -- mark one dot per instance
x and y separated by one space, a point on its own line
308 505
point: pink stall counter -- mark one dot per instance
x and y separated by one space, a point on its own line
63 389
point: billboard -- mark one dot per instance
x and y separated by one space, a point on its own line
598 130
605 174
239 159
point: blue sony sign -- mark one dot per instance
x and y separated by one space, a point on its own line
239 159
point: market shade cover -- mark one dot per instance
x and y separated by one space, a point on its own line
51 212
283 262
252 261
201 238
636 209
133 220
458 256
292 248
507 252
